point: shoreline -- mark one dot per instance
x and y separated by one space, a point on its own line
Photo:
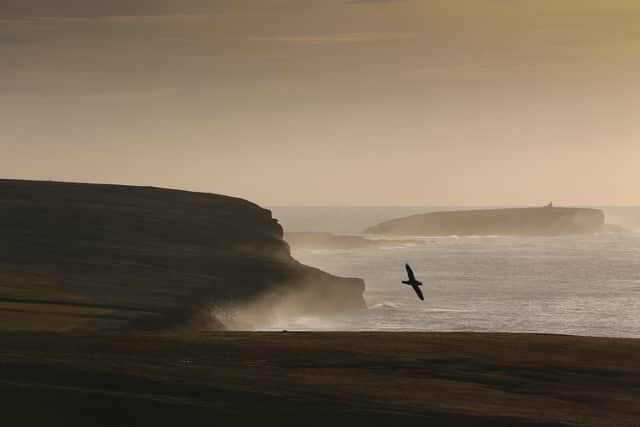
275 377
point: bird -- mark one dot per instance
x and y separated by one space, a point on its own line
415 284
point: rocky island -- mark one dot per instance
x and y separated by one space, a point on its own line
95 257
544 221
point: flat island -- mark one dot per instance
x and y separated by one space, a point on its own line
543 221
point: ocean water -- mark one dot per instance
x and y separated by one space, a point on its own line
580 285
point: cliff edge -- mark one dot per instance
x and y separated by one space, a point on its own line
92 256
545 221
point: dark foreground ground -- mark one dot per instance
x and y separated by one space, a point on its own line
318 379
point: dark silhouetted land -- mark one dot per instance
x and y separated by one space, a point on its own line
224 378
86 256
545 221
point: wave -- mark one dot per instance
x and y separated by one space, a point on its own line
388 248
388 305
448 236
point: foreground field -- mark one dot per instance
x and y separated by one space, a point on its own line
318 378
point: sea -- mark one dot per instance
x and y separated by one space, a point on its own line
580 285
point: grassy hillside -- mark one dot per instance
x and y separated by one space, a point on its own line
103 256
319 379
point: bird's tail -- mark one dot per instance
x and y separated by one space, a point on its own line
406 282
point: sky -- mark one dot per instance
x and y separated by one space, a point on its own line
332 102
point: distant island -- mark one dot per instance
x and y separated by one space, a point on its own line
95 257
543 221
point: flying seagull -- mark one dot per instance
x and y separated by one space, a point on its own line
413 282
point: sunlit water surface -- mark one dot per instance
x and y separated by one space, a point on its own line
582 285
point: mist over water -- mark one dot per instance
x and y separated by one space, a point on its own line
354 219
582 285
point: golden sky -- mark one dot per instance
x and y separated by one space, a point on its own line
332 102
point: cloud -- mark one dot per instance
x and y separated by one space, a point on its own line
375 1
337 38
45 30
53 20
99 8
14 39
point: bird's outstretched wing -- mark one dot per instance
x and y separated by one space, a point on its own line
410 273
418 291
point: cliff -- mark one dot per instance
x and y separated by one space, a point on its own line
94 256
516 221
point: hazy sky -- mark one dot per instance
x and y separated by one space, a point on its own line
328 102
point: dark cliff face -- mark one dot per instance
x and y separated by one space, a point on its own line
518 221
100 256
